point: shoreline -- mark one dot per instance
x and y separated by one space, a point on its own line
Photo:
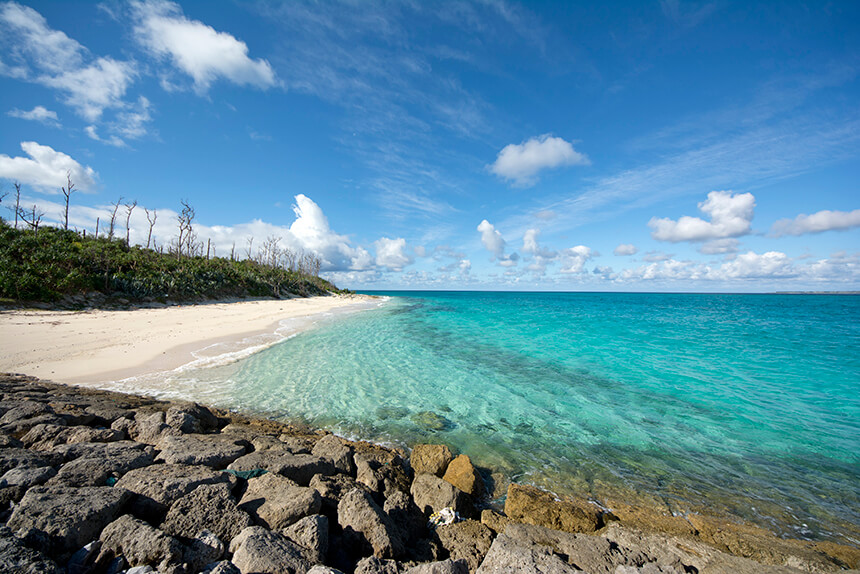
100 346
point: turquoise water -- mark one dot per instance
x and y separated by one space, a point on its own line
746 404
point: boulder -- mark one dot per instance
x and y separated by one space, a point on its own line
209 506
299 468
311 533
25 410
18 558
468 540
158 486
332 488
191 418
223 567
430 458
216 451
22 458
448 566
93 467
141 544
26 477
462 474
46 437
260 551
494 521
334 449
276 502
374 565
149 428
432 494
406 516
320 569
506 555
364 523
203 549
534 506
381 478
69 517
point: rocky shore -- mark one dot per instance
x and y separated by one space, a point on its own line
99 482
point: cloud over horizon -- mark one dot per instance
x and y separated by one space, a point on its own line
730 216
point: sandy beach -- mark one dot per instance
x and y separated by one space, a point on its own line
97 346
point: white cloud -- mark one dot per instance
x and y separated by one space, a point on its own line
50 50
730 216
492 239
311 229
521 163
819 222
132 122
93 88
719 246
654 256
626 249
574 258
46 169
751 265
38 114
93 134
391 253
197 49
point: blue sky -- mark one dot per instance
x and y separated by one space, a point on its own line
656 146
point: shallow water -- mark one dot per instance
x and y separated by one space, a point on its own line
747 404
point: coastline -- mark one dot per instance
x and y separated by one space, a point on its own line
98 346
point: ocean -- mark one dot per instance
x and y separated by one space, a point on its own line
746 405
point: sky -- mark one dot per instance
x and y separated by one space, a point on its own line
488 145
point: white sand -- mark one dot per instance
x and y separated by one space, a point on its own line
95 346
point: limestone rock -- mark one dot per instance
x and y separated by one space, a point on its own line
25 410
149 428
203 549
432 494
191 418
27 477
431 458
297 467
333 488
223 567
462 474
534 506
209 506
320 569
311 533
374 565
507 556
94 463
468 540
276 502
260 551
448 566
333 448
216 451
15 557
364 523
70 517
141 544
22 458
406 516
46 437
494 521
381 478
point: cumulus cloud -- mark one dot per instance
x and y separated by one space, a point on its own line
93 134
752 265
730 216
719 247
492 239
391 253
626 249
531 245
91 89
197 49
312 230
46 169
38 114
521 163
653 256
819 222
574 259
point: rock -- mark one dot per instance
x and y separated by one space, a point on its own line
8 441
209 506
46 437
469 540
149 429
216 451
494 521
17 558
319 569
406 516
430 421
374 565
260 551
25 410
442 567
364 523
70 517
311 532
203 549
223 567
95 466
462 474
299 468
382 478
141 544
332 488
27 477
432 494
431 458
507 556
22 458
276 502
534 506
333 448
191 418
158 486
83 561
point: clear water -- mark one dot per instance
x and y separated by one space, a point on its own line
746 404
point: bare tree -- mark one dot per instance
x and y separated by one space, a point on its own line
233 252
250 242
187 240
151 218
97 226
113 217
270 253
129 207
32 217
3 194
67 194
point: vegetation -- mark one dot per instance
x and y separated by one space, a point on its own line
51 264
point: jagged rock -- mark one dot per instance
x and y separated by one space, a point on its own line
74 414
158 486
494 521
216 451
27 477
191 418
17 558
430 458
94 463
406 516
299 468
46 437
150 428
123 424
260 551
333 448
298 444
8 441
22 458
448 566
25 410
469 540
364 523
462 474
534 506
209 506
141 544
319 569
203 549
83 561
223 567
374 565
311 533
332 488
21 427
506 556
70 517
277 502
432 494
381 478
